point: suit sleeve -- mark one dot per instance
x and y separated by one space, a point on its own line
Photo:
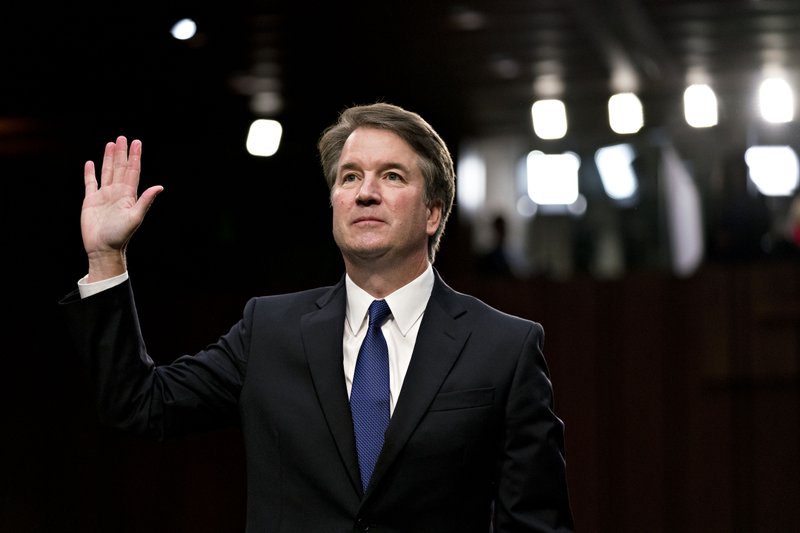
532 493
132 393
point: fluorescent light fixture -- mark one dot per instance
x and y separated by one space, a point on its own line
615 165
700 106
552 178
549 119
683 212
264 137
471 188
773 169
625 113
775 100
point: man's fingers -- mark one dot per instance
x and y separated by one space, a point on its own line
89 179
134 164
119 165
107 170
147 198
120 158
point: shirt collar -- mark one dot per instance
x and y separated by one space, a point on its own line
407 303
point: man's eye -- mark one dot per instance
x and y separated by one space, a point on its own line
347 178
393 176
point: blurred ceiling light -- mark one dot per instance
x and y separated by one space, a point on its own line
549 119
266 103
506 67
615 165
775 100
552 178
549 85
578 207
467 19
700 106
526 207
184 29
264 137
682 207
773 169
625 113
471 174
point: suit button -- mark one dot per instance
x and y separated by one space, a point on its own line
362 525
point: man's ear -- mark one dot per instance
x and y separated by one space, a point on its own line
434 217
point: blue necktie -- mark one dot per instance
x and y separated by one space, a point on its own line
369 396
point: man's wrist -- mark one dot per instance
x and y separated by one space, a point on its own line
106 264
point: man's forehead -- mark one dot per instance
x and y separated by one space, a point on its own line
375 147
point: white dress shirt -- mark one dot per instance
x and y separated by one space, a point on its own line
400 330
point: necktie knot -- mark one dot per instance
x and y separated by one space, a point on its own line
378 311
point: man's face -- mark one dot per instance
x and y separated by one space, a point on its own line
377 200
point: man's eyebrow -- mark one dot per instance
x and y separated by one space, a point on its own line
353 166
348 166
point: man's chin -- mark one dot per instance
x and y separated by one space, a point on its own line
365 253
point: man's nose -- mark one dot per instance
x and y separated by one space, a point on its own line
369 191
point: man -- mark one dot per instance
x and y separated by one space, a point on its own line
472 445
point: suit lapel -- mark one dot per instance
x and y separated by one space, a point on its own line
322 333
439 342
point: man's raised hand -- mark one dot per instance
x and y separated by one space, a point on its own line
112 211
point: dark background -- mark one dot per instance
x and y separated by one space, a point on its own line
681 396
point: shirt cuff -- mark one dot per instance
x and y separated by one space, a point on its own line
87 289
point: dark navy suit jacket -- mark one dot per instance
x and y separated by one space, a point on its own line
473 445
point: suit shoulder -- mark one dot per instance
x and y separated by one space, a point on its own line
481 311
307 295
286 303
